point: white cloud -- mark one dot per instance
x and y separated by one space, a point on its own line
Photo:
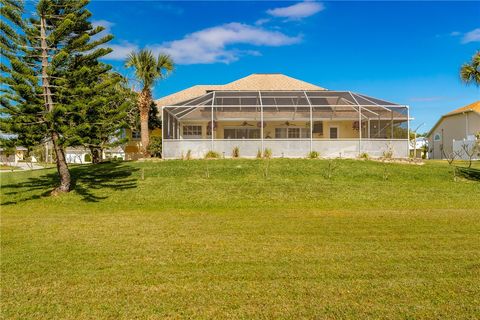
260 22
472 36
211 45
455 33
103 23
120 51
298 10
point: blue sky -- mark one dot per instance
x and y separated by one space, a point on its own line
406 52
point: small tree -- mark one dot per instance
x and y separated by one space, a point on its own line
155 147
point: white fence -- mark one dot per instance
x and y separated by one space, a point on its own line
462 148
291 148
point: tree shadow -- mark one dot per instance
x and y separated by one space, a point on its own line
87 181
468 173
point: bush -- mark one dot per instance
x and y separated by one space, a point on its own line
88 157
313 155
267 154
364 155
155 147
236 152
259 154
212 155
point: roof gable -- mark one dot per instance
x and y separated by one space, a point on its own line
254 82
471 107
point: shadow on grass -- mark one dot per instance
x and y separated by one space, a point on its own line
86 180
468 173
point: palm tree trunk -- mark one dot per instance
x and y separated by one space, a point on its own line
144 101
62 167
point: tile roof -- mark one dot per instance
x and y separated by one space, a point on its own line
256 81
471 107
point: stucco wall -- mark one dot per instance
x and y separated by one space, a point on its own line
451 128
345 128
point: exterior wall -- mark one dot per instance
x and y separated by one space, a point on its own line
453 127
292 148
345 128
132 148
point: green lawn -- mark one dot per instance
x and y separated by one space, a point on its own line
244 239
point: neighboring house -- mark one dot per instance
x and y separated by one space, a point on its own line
83 155
77 155
18 155
132 148
418 146
458 125
288 116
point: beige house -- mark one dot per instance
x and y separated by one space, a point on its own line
288 116
454 128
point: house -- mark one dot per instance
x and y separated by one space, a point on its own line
452 129
418 147
83 155
289 117
15 155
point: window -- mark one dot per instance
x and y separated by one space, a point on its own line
292 133
333 133
318 127
437 137
241 133
136 135
192 132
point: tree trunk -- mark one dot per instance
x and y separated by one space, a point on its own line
144 101
62 167
96 154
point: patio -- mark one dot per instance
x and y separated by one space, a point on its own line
289 123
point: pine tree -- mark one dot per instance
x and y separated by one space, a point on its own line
45 81
106 101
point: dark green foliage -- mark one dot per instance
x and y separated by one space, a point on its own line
155 146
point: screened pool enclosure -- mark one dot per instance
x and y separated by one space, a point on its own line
289 123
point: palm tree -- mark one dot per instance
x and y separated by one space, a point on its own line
148 69
470 72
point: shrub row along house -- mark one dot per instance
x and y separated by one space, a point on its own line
287 116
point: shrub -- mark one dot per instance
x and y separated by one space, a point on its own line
313 155
155 147
259 154
188 156
388 154
236 152
364 155
267 154
88 157
212 155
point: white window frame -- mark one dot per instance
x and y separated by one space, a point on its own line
242 128
192 136
307 132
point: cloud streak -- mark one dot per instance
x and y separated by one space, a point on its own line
297 11
213 45
471 36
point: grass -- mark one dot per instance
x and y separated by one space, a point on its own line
8 167
250 239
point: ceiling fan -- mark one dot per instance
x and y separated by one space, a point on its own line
288 124
245 124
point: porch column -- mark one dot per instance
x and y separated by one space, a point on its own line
261 119
359 129
211 123
311 121
163 129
